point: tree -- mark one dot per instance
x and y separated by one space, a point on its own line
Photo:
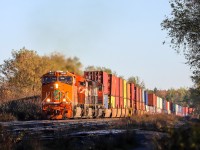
183 28
93 68
136 80
20 75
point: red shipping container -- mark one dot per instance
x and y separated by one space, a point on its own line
117 87
190 110
167 106
187 110
121 102
143 106
152 99
140 90
155 102
128 91
137 106
137 94
184 111
132 94
117 102
121 88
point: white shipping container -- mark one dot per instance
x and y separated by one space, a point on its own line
168 104
158 102
143 99
161 101
147 108
176 108
169 111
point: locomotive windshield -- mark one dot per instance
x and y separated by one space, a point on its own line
49 79
66 79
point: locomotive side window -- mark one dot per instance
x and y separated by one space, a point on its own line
49 79
66 79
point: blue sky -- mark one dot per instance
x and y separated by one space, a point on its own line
125 36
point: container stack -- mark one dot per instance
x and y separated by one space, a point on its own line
125 94
102 78
137 98
117 92
132 96
146 101
112 90
128 100
151 102
143 101
158 106
121 93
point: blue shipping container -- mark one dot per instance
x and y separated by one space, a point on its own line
146 97
105 101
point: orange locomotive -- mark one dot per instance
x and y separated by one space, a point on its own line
66 95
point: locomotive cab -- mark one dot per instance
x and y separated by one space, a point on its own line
58 94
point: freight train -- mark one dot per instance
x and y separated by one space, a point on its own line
99 94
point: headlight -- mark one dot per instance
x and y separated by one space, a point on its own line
48 100
56 85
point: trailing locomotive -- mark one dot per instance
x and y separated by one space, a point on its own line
98 94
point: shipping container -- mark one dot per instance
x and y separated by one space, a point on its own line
128 103
117 102
105 102
98 76
121 101
164 105
112 101
143 106
137 94
128 91
125 103
137 106
117 87
146 97
152 99
143 96
132 95
112 85
161 103
125 89
121 88
140 95
186 111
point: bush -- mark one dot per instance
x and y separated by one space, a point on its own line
183 138
22 109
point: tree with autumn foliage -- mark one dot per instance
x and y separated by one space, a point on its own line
20 75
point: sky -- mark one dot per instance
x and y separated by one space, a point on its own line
124 36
